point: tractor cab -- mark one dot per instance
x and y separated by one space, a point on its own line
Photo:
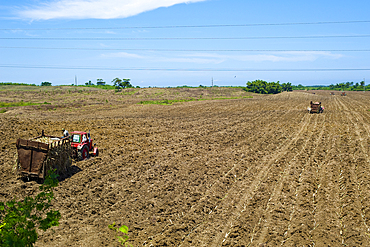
79 138
81 144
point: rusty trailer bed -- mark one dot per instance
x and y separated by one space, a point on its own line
36 158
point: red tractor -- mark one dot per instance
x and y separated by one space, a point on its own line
82 144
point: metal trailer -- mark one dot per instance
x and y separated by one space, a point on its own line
37 156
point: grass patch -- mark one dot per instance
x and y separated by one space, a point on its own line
99 86
170 102
132 92
2 110
21 103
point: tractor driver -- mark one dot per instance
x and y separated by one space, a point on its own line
65 133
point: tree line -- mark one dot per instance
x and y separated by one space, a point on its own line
15 84
263 87
349 86
257 86
117 83
344 86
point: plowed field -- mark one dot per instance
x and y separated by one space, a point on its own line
238 172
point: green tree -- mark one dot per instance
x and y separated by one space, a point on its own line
100 82
45 83
287 87
89 83
274 87
263 87
117 82
341 86
121 83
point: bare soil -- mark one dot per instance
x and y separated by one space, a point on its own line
238 172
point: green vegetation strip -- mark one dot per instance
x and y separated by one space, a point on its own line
130 92
15 84
21 103
15 104
170 102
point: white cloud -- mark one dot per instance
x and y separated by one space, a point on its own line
192 60
199 59
292 56
95 9
122 55
212 58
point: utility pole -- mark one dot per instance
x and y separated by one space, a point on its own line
75 80
212 81
364 84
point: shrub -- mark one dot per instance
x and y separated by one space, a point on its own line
263 87
45 83
124 231
19 220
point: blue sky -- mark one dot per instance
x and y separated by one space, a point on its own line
175 42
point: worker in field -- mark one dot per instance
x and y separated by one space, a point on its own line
65 133
322 109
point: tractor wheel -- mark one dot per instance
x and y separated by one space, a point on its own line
83 153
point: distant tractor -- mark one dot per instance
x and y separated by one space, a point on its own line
315 107
343 94
82 144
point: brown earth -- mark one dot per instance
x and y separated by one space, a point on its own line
238 172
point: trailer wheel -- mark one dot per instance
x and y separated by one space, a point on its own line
83 153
